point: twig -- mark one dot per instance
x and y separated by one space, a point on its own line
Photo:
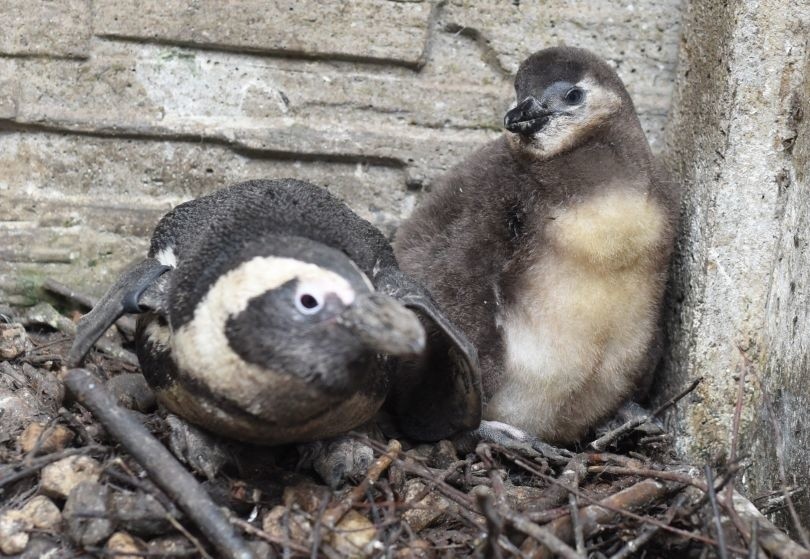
259 533
333 514
40 462
648 532
721 536
158 462
545 516
194 541
520 461
486 505
573 503
449 471
103 552
593 516
776 501
77 426
467 504
645 472
753 546
542 534
579 536
602 442
557 493
769 537
504 542
43 313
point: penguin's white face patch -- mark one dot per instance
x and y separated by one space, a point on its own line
565 129
202 346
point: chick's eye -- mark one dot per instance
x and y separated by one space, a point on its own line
574 96
307 303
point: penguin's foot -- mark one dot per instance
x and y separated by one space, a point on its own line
337 460
512 438
203 452
632 411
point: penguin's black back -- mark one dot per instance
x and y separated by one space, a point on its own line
209 235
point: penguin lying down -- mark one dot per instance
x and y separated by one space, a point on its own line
270 313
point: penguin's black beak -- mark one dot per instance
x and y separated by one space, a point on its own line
385 325
528 117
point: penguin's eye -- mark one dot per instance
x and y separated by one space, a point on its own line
574 96
307 303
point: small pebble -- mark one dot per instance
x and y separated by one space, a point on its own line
87 515
141 513
39 513
13 341
428 510
55 439
306 496
132 392
59 479
442 455
417 549
13 534
122 545
353 535
283 523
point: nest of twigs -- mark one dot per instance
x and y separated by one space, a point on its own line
69 488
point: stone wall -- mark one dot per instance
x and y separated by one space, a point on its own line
113 111
739 141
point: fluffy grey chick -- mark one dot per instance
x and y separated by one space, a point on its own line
549 248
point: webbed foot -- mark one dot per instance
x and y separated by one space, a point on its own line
512 438
337 460
632 411
203 452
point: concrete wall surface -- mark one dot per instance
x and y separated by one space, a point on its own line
739 141
113 111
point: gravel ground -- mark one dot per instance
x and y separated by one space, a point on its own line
68 489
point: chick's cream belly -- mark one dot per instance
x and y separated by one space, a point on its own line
588 305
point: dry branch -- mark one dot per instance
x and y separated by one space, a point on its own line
158 462
334 514
604 441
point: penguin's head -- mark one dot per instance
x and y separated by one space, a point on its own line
284 310
563 96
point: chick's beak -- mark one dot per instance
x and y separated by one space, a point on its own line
528 117
385 325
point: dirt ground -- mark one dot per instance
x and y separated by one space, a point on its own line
68 489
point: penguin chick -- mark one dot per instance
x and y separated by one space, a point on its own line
271 313
549 248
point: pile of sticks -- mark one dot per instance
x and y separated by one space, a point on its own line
623 495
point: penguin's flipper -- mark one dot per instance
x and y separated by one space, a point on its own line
129 294
439 393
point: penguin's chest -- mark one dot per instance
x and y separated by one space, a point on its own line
583 319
